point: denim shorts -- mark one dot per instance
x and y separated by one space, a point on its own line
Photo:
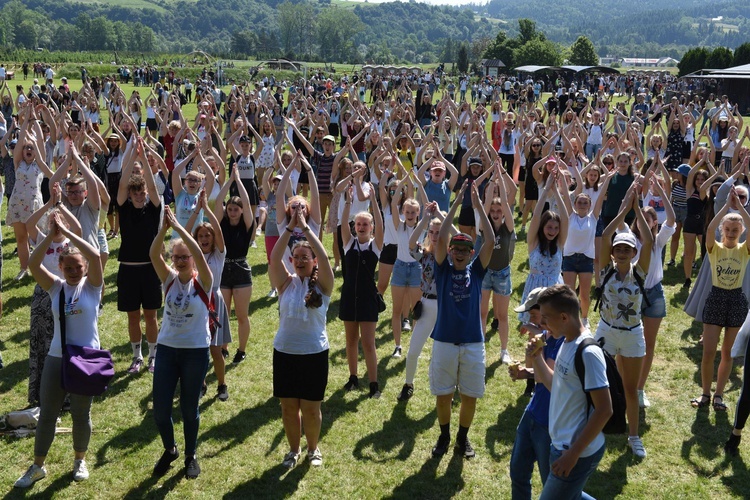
406 274
600 226
658 307
498 281
680 213
101 237
577 263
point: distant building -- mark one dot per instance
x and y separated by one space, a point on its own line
649 62
491 67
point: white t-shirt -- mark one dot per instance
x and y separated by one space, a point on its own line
581 234
656 266
302 330
185 321
81 308
215 261
568 405
403 234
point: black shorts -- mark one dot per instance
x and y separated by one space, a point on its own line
138 286
252 190
303 177
466 217
151 124
388 254
300 376
693 224
113 186
236 274
727 308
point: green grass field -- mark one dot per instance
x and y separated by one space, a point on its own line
372 448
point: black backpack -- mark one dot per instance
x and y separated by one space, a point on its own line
616 423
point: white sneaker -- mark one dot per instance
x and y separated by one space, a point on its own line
80 471
397 352
254 245
22 274
505 357
315 457
273 293
292 458
636 445
585 322
643 401
32 475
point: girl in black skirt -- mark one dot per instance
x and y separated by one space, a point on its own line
726 306
358 308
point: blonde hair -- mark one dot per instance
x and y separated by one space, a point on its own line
731 218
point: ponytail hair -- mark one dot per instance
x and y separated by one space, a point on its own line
314 298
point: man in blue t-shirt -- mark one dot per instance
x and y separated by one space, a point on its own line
458 357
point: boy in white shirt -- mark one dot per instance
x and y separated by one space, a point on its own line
576 434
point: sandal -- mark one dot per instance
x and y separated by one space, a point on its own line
718 405
701 402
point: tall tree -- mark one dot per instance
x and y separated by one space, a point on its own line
336 30
693 60
720 58
582 52
742 54
462 58
538 52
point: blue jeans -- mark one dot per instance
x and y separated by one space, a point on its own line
189 367
532 445
561 488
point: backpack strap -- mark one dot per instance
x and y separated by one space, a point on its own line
581 369
607 276
202 294
639 280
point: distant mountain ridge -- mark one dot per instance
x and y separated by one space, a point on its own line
403 31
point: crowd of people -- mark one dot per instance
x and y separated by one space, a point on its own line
422 192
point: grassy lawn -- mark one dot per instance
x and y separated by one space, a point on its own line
371 448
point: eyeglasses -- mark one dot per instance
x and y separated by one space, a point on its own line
76 192
302 258
181 258
298 206
192 180
28 148
461 251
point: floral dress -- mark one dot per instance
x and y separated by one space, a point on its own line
544 271
265 160
27 195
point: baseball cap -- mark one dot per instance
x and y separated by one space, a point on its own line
684 169
462 239
329 138
245 138
626 238
531 300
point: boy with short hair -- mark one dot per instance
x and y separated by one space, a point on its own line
576 433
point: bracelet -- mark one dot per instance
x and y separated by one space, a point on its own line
57 204
290 230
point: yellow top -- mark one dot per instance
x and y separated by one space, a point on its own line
728 265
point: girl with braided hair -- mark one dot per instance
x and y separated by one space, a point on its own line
300 347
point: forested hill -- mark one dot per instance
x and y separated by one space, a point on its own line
342 31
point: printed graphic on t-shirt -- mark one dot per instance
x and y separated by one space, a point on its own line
461 285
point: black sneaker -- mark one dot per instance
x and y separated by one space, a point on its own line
407 391
466 449
687 284
192 469
352 384
441 447
670 263
239 357
495 324
224 353
732 446
222 392
162 466
374 391
204 389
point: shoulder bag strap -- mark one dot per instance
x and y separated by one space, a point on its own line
61 312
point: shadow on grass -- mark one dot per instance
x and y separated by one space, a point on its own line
425 483
276 482
504 429
13 374
134 438
706 440
737 481
392 442
610 483
146 488
244 424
